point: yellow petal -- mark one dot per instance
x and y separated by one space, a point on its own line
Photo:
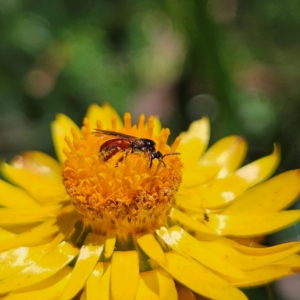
262 168
110 243
253 242
228 153
262 276
196 175
38 163
194 142
93 282
184 243
30 237
156 284
104 286
6 235
219 160
15 197
185 205
249 262
89 254
41 188
166 283
148 287
43 268
124 285
253 250
61 127
193 224
222 191
254 224
148 243
64 272
293 261
104 114
199 279
52 291
16 216
167 289
273 195
16 259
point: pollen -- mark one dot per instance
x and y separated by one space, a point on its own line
125 192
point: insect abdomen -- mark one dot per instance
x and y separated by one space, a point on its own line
111 147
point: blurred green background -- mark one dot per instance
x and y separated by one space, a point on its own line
236 61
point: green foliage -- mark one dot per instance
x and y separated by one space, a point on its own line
236 62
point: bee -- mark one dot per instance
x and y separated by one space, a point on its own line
129 144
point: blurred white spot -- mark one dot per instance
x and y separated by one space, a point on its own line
38 83
160 60
249 172
221 222
202 105
257 112
228 196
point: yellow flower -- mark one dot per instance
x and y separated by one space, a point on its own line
125 225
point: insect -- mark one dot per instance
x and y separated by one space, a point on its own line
129 144
206 217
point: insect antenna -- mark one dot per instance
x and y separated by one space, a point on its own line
171 153
161 159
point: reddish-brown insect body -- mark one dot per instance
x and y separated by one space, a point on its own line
128 144
111 147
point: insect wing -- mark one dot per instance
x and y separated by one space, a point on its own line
100 132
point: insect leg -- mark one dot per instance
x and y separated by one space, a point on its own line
126 152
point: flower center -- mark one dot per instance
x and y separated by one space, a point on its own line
116 185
